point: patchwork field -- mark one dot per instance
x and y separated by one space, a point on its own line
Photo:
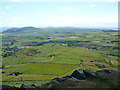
51 53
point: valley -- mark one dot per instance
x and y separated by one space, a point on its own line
41 54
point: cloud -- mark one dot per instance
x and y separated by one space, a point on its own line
15 0
84 21
7 7
79 21
1 25
67 9
15 18
93 5
2 13
111 0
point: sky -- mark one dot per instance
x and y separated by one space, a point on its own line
75 13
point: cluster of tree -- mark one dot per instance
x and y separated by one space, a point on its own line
9 51
6 54
69 42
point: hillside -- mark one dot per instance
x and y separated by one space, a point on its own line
41 54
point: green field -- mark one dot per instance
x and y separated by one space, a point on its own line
43 54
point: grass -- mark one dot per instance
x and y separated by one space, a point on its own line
36 63
27 77
40 68
65 55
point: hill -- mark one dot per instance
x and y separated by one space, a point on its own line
17 30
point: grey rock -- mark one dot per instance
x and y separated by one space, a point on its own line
75 79
26 86
107 73
79 74
59 79
15 73
69 79
89 73
50 85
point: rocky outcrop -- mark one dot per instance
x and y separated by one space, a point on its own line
80 76
107 73
89 73
27 86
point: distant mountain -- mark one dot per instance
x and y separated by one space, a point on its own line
30 28
110 30
15 30
4 28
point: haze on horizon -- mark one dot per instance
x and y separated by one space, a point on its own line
16 13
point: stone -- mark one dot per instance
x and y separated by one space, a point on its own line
75 79
49 86
15 73
89 73
59 79
107 73
79 74
26 86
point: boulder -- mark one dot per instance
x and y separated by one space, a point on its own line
79 74
59 79
33 86
74 79
49 86
89 73
15 73
2 72
10 74
26 86
70 78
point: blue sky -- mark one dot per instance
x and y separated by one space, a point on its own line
16 13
